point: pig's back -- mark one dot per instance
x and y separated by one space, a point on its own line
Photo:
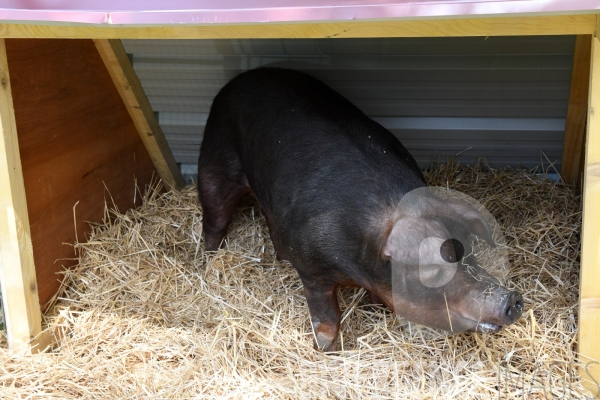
316 163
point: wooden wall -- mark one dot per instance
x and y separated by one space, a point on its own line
75 136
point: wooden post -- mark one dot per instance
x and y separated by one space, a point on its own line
125 79
589 294
17 270
577 111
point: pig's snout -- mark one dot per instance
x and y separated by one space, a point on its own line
505 313
512 308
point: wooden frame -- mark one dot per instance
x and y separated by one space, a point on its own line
127 83
59 151
589 316
577 111
17 270
589 293
497 26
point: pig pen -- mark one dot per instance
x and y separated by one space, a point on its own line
146 314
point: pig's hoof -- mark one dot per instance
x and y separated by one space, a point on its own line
324 339
324 342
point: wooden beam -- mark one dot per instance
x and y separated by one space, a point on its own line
121 71
589 305
17 270
497 26
577 110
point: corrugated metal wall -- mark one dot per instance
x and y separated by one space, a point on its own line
504 98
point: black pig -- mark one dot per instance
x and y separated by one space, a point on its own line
329 181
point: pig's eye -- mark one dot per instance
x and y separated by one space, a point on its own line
452 250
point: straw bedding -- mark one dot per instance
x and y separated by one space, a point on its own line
147 314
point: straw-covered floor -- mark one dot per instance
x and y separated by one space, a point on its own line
147 314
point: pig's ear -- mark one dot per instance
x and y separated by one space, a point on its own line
475 222
400 244
405 241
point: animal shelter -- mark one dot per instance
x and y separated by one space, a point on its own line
101 100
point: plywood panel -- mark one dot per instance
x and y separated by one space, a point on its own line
75 137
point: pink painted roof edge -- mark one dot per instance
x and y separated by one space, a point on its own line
176 12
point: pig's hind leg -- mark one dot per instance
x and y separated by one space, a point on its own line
221 185
276 245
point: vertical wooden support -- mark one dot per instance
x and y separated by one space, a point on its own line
17 270
121 71
589 306
577 111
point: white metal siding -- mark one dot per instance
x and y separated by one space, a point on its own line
503 98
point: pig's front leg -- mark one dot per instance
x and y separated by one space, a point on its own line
325 314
